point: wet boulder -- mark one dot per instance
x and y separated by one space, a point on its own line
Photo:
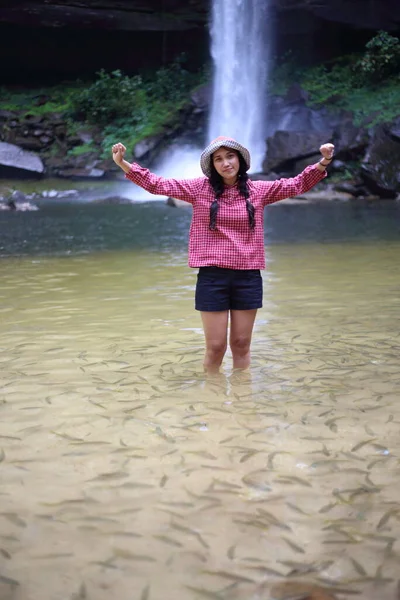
380 170
287 147
15 160
351 141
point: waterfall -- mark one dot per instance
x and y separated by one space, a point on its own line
239 48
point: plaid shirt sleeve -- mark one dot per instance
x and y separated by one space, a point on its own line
273 191
181 189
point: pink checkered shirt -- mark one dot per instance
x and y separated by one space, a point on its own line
233 245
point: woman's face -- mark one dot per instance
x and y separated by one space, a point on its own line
226 163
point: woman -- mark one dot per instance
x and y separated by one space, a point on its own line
226 239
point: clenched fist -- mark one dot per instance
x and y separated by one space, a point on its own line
118 153
327 150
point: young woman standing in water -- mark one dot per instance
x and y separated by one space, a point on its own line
226 239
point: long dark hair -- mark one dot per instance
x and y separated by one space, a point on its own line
217 184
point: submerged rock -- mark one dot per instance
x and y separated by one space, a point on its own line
299 590
175 203
90 173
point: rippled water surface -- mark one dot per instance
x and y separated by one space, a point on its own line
126 473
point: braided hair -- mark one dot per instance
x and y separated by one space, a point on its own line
217 184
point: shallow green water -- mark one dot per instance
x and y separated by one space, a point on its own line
126 473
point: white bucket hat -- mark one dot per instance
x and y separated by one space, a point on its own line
205 158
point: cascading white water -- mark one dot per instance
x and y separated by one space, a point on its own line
239 48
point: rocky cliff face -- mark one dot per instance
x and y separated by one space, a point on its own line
178 15
70 38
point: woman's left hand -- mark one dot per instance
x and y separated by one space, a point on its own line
327 150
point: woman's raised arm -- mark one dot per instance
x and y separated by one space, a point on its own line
187 190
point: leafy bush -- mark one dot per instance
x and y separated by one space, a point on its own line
381 59
171 83
112 96
82 149
326 84
283 73
371 106
40 101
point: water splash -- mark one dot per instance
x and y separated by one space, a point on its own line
182 162
239 49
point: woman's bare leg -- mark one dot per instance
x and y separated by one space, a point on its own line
215 325
242 323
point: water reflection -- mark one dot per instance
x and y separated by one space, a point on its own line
67 229
125 471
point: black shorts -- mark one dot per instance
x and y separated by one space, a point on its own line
228 289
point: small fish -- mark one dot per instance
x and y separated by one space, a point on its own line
296 509
273 520
294 479
203 454
359 568
190 531
2 455
127 554
164 436
145 595
65 436
386 517
231 576
249 455
270 461
53 555
361 444
257 480
82 593
129 410
111 476
294 546
15 519
266 570
204 593
8 580
327 507
105 564
168 540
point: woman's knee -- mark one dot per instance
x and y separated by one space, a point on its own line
240 344
216 347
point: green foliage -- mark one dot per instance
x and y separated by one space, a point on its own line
82 149
171 83
339 84
40 101
284 72
381 59
131 133
371 106
326 84
112 96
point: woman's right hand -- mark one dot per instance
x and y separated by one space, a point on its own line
118 153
